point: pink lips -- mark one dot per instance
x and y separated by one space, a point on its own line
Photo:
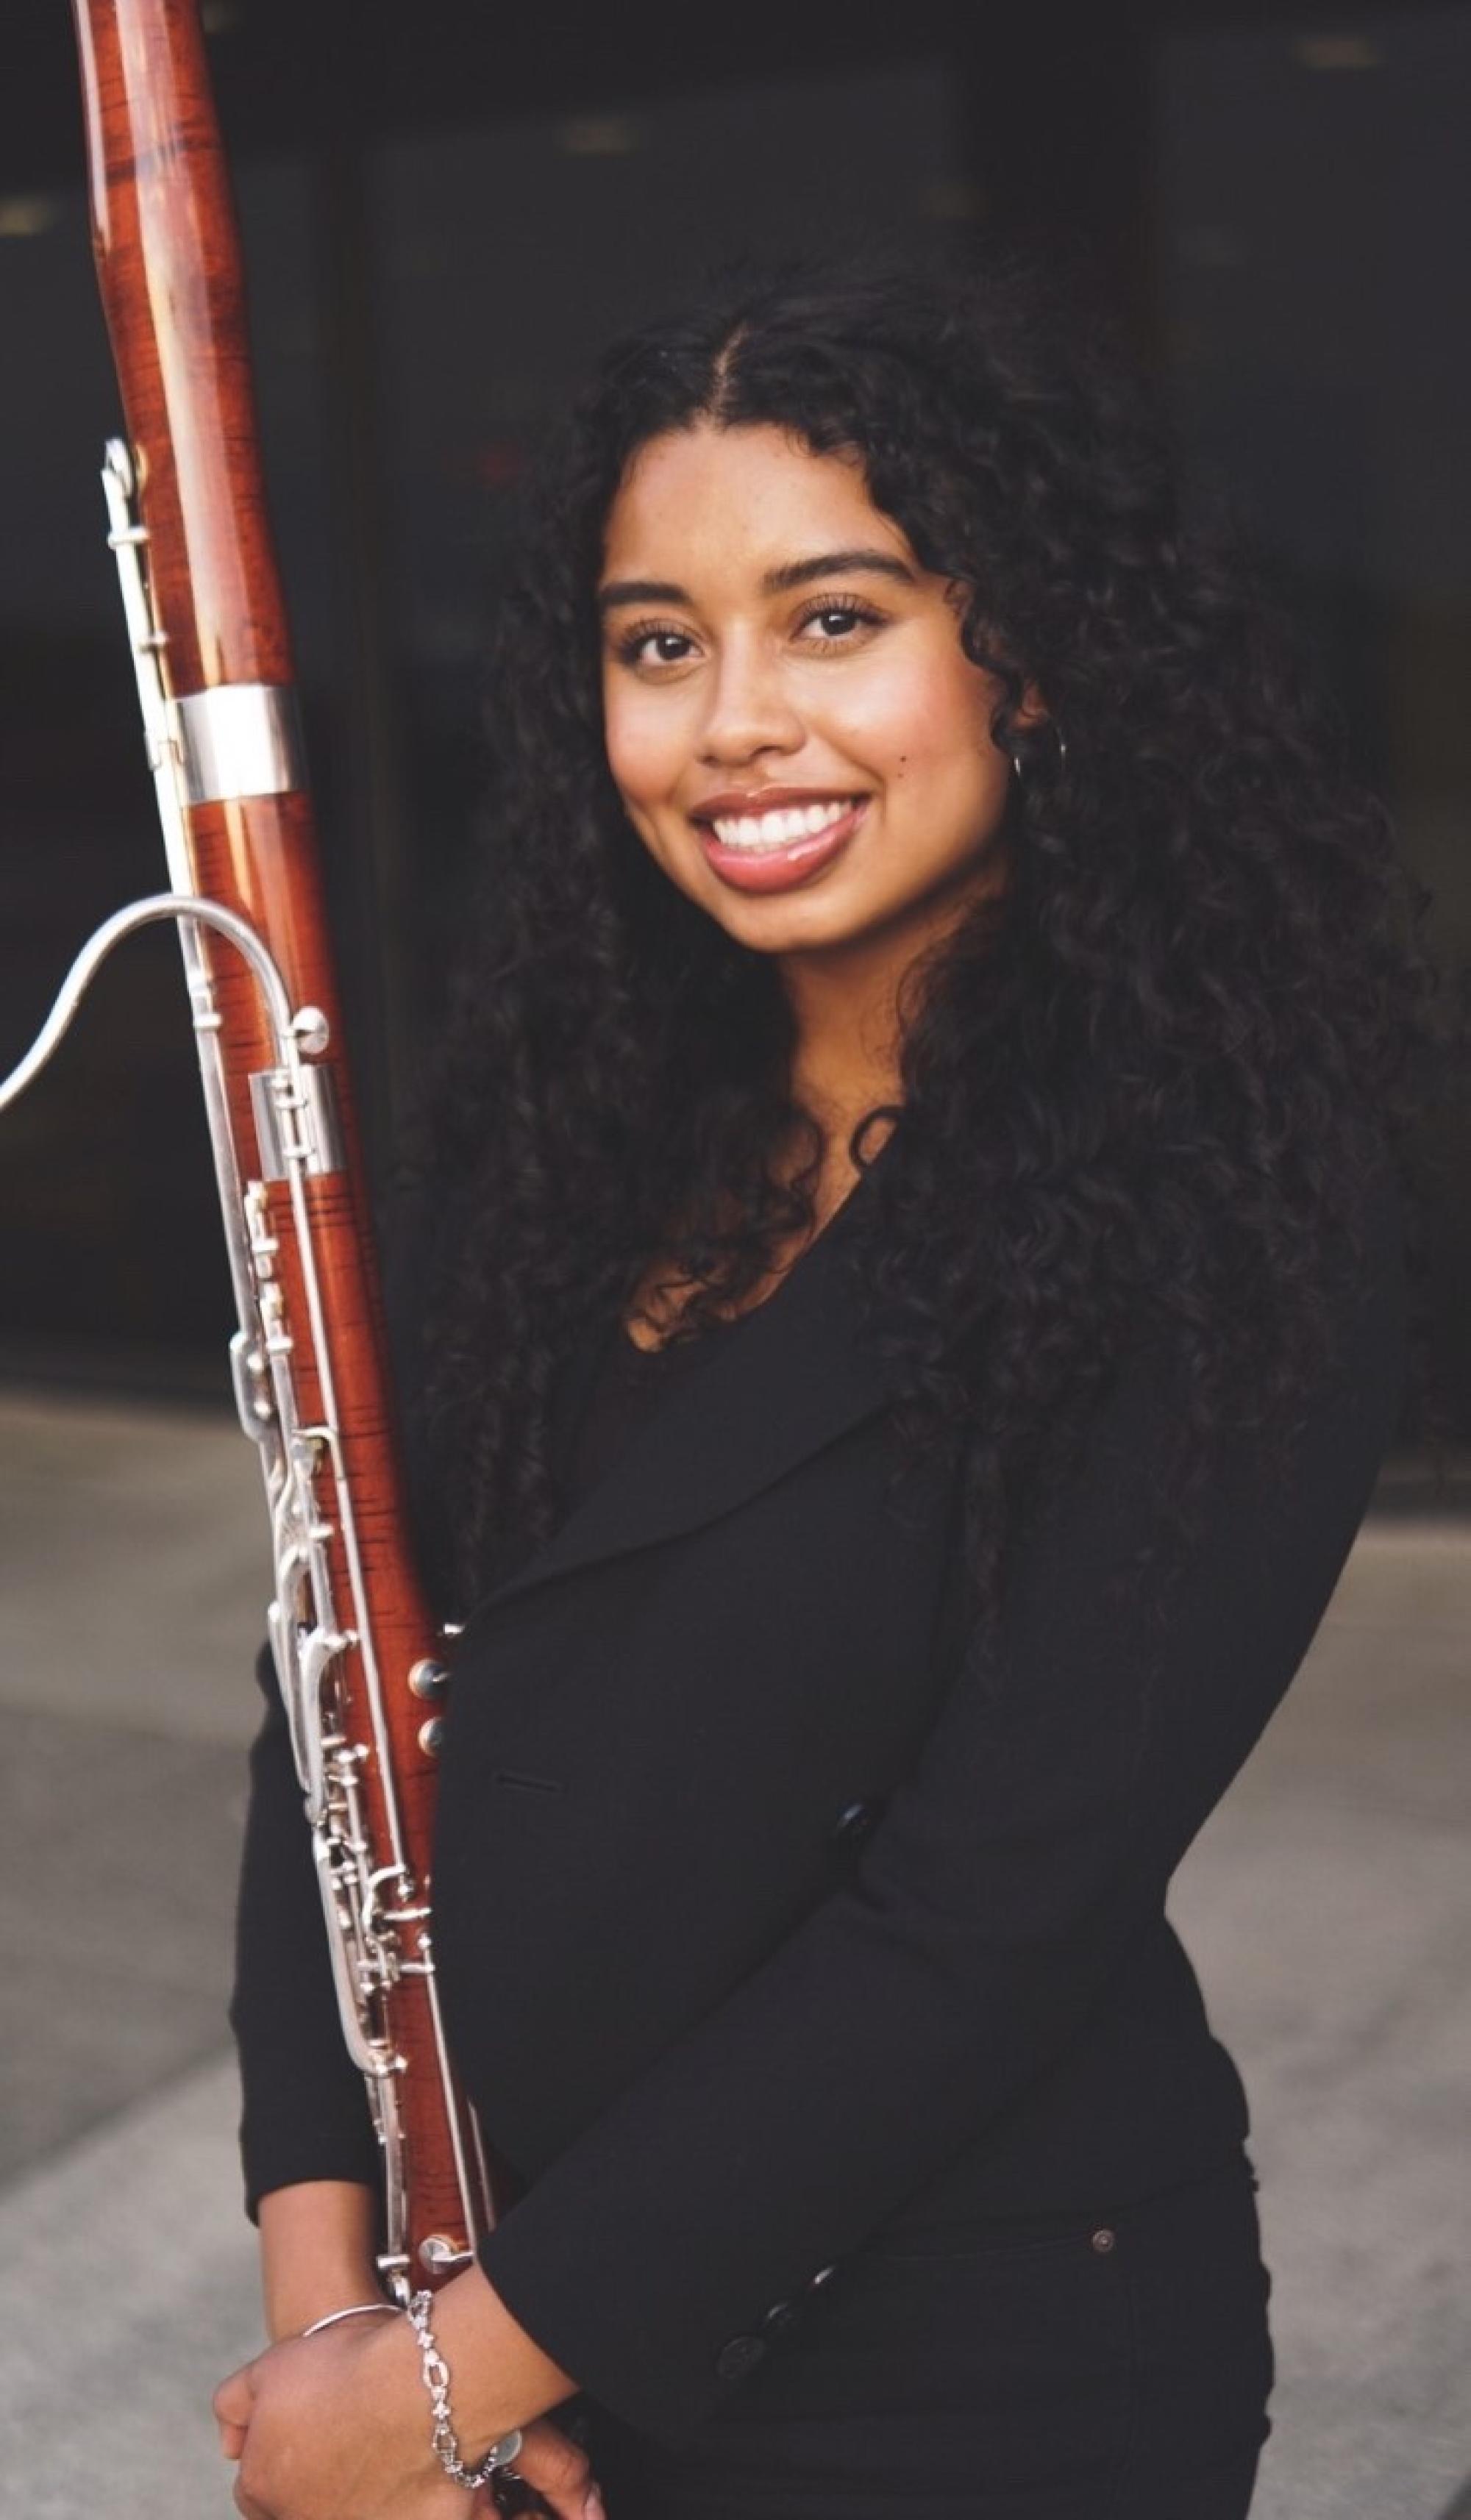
778 869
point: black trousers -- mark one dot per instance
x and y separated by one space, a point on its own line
1109 2367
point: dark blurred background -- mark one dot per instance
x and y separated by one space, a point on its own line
447 210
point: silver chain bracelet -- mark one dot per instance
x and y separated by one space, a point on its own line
436 2381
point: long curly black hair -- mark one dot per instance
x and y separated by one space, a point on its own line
1152 1094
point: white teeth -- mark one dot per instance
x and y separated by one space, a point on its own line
779 829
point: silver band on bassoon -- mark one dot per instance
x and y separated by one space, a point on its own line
237 739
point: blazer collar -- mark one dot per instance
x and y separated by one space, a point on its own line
771 1389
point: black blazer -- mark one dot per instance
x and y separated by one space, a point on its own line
770 1914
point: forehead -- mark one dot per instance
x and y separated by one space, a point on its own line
726 505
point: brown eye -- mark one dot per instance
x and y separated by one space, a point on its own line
643 646
834 624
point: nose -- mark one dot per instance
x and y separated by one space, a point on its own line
750 710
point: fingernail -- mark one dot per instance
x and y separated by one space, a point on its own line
592 2508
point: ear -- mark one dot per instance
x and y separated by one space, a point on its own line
1033 709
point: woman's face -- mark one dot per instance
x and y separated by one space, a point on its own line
799 738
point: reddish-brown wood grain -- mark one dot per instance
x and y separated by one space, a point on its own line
169 267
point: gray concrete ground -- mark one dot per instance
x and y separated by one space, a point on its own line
1329 1906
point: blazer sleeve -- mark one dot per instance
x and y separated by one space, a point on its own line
306 2111
1066 1775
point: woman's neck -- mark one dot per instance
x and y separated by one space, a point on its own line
845 1064
845 1058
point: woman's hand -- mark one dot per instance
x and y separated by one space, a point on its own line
338 2427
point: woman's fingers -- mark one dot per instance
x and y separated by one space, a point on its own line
234 2399
552 2464
232 2402
560 2472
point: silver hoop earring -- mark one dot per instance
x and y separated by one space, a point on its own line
1059 739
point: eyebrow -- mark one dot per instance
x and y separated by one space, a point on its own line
777 581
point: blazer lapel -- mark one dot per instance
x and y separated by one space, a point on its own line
771 1389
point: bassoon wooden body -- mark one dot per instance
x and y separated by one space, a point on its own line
357 1654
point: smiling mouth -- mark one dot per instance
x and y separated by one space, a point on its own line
787 846
780 828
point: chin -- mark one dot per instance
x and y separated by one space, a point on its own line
789 926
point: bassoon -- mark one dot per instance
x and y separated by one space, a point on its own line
357 1654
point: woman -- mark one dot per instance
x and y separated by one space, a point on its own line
923 1317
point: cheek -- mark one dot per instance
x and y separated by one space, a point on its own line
644 766
926 725
643 753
